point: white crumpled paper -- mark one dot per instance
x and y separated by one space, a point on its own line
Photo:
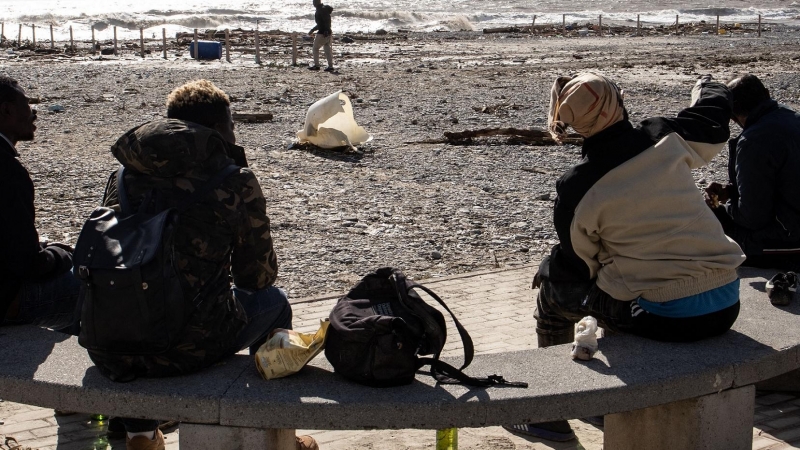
585 344
330 124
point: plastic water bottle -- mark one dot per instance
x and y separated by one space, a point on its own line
447 439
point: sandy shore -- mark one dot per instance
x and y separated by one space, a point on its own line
431 209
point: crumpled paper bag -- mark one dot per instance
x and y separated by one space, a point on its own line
330 124
287 351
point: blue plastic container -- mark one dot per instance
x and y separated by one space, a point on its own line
206 50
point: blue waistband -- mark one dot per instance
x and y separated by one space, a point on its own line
695 305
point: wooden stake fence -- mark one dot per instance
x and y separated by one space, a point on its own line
227 45
294 49
196 46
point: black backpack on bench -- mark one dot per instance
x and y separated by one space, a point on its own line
381 327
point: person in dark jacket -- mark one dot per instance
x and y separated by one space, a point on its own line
324 35
760 206
36 285
223 245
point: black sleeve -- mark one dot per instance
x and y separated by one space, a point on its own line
705 122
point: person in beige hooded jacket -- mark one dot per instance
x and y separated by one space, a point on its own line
639 249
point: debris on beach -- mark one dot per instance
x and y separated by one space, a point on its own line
330 124
517 136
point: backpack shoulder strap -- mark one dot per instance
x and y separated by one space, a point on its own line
447 374
122 193
466 339
207 187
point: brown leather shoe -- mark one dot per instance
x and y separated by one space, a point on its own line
142 443
305 443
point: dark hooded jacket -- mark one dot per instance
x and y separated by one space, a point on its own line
22 257
764 165
322 17
223 237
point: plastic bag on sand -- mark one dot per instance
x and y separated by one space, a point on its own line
330 124
585 344
287 351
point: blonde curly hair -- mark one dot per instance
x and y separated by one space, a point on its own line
198 101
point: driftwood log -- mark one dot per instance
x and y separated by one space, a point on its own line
516 136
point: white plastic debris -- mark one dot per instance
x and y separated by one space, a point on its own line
585 344
330 124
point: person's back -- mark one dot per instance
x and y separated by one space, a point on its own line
215 237
772 133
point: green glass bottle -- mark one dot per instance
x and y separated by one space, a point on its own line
447 439
98 417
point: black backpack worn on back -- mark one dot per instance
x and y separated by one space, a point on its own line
132 299
381 327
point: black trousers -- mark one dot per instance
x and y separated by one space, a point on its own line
562 304
770 248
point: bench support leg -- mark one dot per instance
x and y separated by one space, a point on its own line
214 437
722 421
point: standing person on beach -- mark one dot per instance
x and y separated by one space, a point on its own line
759 207
324 35
36 282
223 247
658 265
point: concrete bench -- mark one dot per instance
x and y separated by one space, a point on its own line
654 395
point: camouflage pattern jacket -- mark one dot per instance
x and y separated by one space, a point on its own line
225 236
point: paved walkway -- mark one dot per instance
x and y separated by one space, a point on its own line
495 306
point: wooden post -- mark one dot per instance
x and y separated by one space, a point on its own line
294 49
196 46
600 24
533 24
227 45
2 30
115 39
676 24
718 24
94 44
52 43
759 25
19 39
71 44
258 50
164 41
564 23
141 39
638 25
33 29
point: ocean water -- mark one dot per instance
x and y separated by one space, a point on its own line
360 15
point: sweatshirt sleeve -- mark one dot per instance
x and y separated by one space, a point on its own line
254 264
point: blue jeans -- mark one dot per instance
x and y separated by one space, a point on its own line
266 310
50 304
